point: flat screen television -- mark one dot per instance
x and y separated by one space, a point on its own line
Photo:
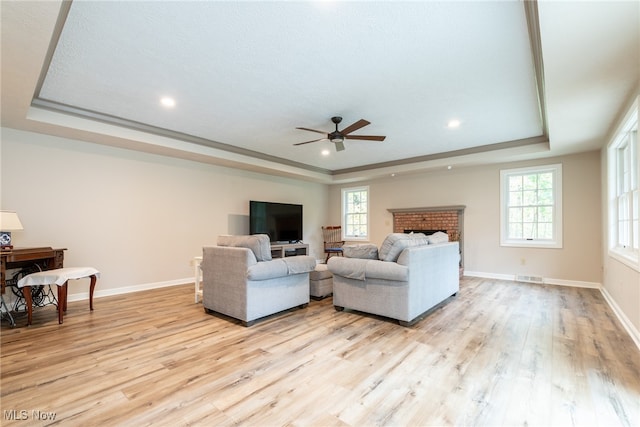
281 221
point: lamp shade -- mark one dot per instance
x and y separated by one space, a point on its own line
9 221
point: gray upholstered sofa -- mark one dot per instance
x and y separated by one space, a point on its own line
241 280
407 277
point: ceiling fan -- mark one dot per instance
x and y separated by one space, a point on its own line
338 137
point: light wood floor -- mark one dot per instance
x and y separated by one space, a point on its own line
500 353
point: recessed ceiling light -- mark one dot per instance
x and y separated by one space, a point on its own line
449 167
325 152
454 123
168 102
325 4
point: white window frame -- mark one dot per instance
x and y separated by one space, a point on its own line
346 235
623 154
556 240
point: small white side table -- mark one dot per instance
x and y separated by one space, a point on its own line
59 277
197 277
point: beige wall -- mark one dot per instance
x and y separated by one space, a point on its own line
621 282
478 188
138 218
622 285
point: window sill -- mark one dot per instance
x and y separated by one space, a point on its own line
628 258
355 239
546 244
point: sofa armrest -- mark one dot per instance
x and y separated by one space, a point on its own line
265 270
384 270
299 264
232 258
352 268
362 251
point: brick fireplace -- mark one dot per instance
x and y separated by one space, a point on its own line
449 219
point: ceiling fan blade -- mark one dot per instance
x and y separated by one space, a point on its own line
308 142
313 130
339 146
354 127
366 137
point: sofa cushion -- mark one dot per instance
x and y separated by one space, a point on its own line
364 251
352 268
395 243
259 244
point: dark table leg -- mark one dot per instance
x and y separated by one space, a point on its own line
26 294
62 301
91 289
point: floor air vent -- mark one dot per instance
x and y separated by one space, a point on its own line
529 279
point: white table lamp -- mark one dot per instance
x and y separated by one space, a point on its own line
8 221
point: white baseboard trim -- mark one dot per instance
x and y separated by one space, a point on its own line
545 280
626 323
489 275
574 283
128 289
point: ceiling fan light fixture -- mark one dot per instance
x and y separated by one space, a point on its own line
338 136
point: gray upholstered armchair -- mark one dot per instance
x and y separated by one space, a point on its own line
241 280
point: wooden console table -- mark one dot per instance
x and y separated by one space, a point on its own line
46 258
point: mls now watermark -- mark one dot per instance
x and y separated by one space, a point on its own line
24 415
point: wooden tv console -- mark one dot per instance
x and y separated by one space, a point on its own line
289 249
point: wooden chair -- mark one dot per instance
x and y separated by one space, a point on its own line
333 242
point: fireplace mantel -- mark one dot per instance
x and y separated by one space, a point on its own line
429 209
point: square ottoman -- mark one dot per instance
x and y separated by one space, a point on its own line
320 282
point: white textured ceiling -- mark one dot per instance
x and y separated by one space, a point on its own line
245 74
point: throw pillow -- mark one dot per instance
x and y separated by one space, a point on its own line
395 243
438 237
387 244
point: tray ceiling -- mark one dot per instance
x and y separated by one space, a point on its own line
244 75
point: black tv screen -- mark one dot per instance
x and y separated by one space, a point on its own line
281 221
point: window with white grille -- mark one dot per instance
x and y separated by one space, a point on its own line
624 163
355 213
531 206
